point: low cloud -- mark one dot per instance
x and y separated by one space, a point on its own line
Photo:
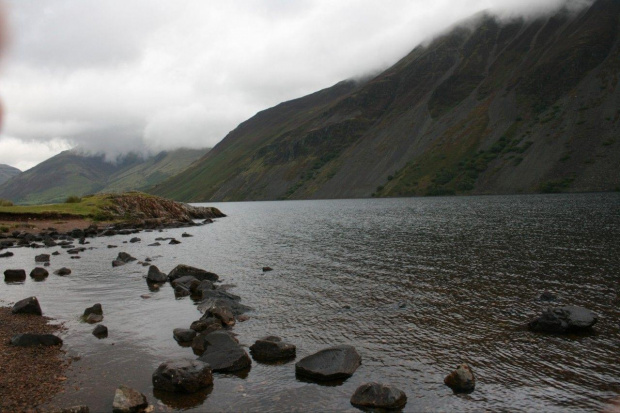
113 76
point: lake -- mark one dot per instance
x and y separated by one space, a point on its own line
417 285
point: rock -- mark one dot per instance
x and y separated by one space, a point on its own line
378 396
28 305
29 340
94 318
126 258
156 276
461 380
221 298
6 254
134 240
14 275
42 258
117 263
181 291
222 312
100 331
339 362
208 221
128 400
63 271
206 325
223 353
182 270
39 273
186 235
55 253
565 319
183 335
547 296
266 269
183 376
272 348
188 281
174 242
155 244
95 309
76 257
112 246
199 289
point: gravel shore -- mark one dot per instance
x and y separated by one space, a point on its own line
30 376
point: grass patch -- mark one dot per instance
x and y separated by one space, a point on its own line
73 199
5 202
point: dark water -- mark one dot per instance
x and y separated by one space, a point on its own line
469 271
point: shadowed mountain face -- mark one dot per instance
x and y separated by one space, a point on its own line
70 173
7 172
490 107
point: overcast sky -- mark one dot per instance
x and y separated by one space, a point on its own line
121 75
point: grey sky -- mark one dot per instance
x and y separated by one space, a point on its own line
119 75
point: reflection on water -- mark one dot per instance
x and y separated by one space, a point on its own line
416 285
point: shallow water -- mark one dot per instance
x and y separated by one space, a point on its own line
467 272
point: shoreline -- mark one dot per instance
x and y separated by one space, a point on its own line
31 389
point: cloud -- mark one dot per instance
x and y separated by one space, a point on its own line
112 76
23 155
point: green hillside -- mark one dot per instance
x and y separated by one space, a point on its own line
7 172
487 108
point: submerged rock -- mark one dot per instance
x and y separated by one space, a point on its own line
183 376
6 254
124 257
63 271
461 380
565 319
128 400
272 348
378 396
339 362
29 340
42 258
14 275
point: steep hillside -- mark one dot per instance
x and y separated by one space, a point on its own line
7 172
71 173
489 107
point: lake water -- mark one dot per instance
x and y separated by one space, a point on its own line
416 285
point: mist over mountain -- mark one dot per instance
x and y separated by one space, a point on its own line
74 172
492 106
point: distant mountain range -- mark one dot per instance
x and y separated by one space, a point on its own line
7 172
489 107
72 173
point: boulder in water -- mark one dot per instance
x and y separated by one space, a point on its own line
272 348
183 376
335 363
181 270
42 258
14 275
100 331
156 276
567 319
128 400
183 335
63 271
224 354
39 273
378 396
95 309
94 318
461 380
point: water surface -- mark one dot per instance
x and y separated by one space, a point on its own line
416 285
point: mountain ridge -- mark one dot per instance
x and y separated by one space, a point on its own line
7 172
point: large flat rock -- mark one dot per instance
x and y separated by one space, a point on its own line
334 363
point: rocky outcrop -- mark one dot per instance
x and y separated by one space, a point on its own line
28 305
184 376
567 319
128 400
378 396
461 380
335 363
272 348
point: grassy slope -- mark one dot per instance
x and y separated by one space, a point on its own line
7 172
487 108
89 206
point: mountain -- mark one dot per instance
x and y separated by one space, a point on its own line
7 172
72 173
488 107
